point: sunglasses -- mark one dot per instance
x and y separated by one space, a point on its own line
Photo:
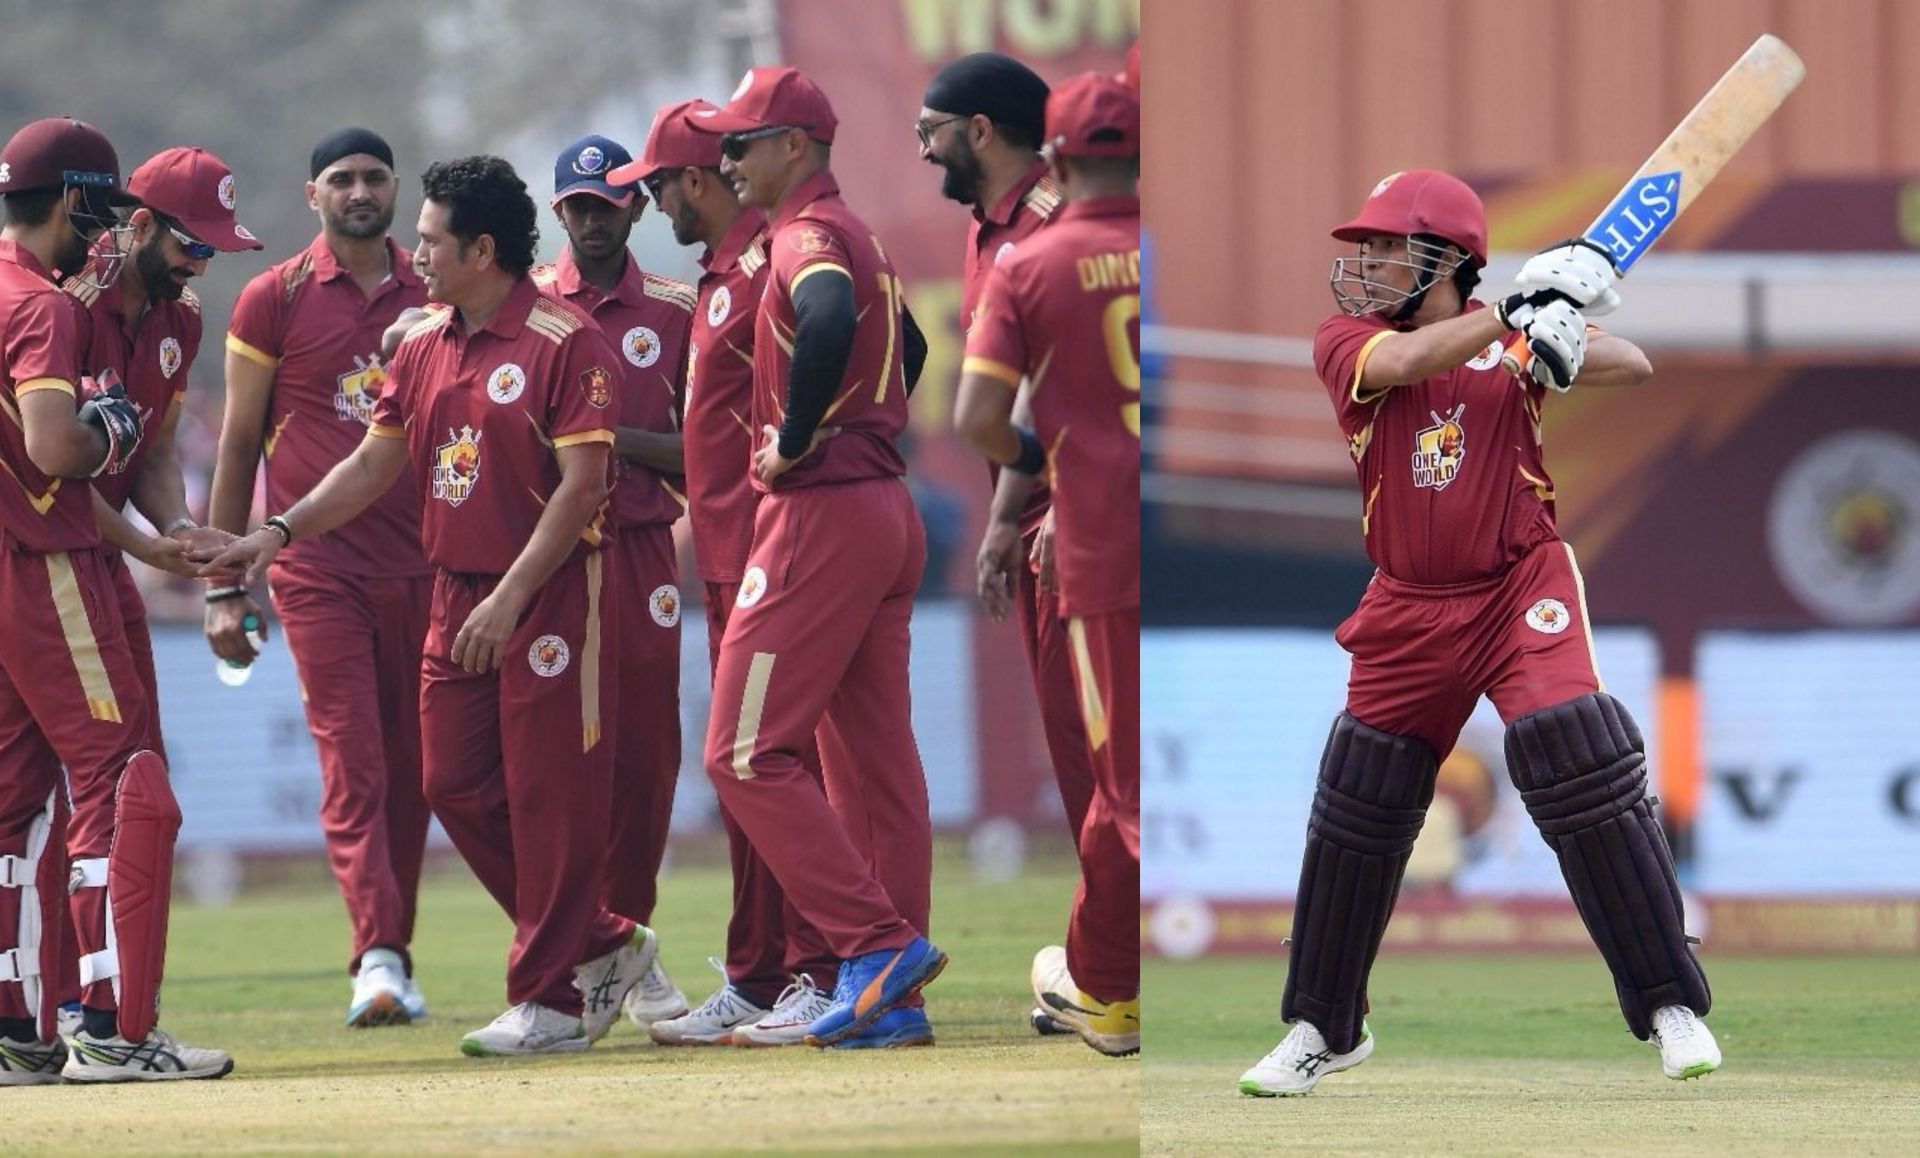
192 246
925 129
733 146
655 182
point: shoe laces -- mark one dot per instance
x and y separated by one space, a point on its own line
1675 1024
798 995
724 1003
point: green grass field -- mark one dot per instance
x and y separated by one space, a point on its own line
1528 1055
264 979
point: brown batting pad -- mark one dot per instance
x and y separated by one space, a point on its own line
1581 768
1373 796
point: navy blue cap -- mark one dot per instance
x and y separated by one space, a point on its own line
583 167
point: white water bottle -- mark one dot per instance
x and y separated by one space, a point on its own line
235 674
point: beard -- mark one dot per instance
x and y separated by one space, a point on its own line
686 224
155 274
72 254
961 180
360 229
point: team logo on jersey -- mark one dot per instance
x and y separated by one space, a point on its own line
1548 617
665 605
1488 358
456 466
225 191
549 656
718 305
1843 527
597 384
506 382
642 346
590 161
809 240
1439 450
169 357
1006 247
753 585
355 392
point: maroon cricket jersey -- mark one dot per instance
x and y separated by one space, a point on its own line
307 320
1063 311
484 415
1019 213
813 233
1451 475
149 357
647 318
39 350
719 436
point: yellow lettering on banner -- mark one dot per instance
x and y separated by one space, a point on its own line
938 30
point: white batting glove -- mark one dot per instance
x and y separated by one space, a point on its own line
1557 336
1577 270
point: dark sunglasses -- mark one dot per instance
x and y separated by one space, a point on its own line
654 182
733 146
925 129
193 247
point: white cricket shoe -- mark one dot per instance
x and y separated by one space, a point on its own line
414 1000
157 1059
800 1005
379 991
31 1063
605 981
1110 1027
527 1028
655 998
714 1021
1300 1061
1687 1048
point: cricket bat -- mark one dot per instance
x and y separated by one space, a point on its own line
1689 159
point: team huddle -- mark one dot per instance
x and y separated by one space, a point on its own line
473 464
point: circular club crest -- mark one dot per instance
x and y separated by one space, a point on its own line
549 656
664 603
169 357
753 585
1843 527
1488 358
641 346
225 191
590 161
718 305
506 382
1548 617
809 240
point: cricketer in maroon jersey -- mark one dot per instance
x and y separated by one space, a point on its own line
69 691
647 318
818 638
1475 595
303 368
1061 314
768 944
502 406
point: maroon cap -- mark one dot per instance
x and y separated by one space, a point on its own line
1423 201
774 96
58 151
195 188
676 141
1093 115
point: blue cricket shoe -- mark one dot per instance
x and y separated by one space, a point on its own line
873 983
897 1028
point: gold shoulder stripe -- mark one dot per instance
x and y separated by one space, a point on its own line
434 320
552 319
190 299
545 275
1043 198
668 290
547 328
293 275
82 289
753 259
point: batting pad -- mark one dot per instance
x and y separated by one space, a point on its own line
1372 798
1581 768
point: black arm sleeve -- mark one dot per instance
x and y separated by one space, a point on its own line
822 345
913 347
